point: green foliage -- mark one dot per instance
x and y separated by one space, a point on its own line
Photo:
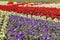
33 0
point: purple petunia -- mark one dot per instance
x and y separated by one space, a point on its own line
32 33
22 34
22 27
54 38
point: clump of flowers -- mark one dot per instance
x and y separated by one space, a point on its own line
23 28
4 17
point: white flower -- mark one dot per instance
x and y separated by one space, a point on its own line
41 34
35 37
49 19
1 19
29 16
38 36
43 17
33 16
48 38
25 15
56 20
2 34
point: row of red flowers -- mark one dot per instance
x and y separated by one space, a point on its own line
43 11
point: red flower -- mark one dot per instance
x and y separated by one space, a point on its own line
10 3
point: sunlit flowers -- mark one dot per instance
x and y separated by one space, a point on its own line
26 28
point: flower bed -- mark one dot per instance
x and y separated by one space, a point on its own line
39 11
29 28
32 29
25 22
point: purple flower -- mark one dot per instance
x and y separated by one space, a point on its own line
41 34
45 38
8 28
54 38
8 39
16 36
25 24
25 31
54 26
57 33
45 28
22 34
32 33
21 19
42 21
18 39
14 17
48 38
9 34
39 20
58 28
14 32
14 29
34 27
18 23
28 19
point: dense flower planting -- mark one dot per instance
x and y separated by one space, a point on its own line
4 17
31 27
32 10
3 23
29 21
22 28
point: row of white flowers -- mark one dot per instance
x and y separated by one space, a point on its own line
51 5
6 2
4 16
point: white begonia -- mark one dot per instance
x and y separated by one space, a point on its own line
1 19
49 19
2 34
2 29
22 14
6 13
2 13
25 15
43 17
12 13
51 5
33 16
6 18
29 16
38 36
17 14
56 20
37 17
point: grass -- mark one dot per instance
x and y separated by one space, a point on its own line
33 0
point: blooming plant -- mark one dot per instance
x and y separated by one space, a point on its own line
29 22
32 29
44 11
